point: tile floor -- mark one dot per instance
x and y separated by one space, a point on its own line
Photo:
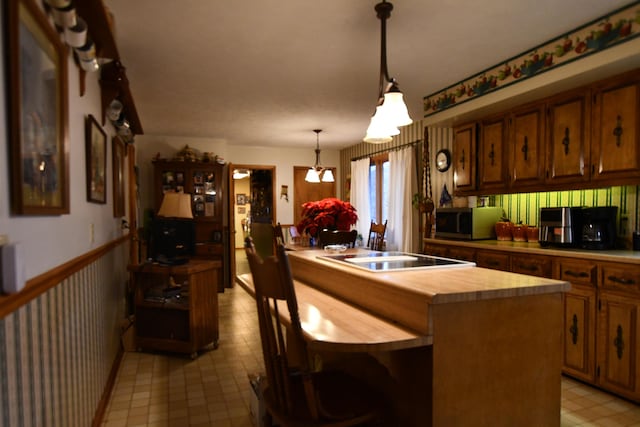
213 390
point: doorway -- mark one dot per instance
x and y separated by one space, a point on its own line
252 211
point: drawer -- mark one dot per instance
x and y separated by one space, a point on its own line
493 260
465 254
532 265
203 249
621 277
436 250
577 272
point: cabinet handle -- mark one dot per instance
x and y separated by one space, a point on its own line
617 131
621 280
492 154
462 160
528 267
618 342
525 147
576 274
565 141
573 330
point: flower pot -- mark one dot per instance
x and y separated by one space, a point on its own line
519 232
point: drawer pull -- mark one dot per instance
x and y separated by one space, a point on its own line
576 274
573 330
618 342
621 280
528 267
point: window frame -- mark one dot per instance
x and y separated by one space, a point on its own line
378 161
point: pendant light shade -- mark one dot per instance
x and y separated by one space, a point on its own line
314 173
392 111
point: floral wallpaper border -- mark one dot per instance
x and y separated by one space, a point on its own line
617 27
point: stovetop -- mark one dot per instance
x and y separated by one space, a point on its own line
394 261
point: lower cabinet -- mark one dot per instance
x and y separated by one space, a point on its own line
601 324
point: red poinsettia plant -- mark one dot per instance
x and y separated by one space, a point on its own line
330 213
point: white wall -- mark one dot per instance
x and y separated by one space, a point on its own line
284 159
48 241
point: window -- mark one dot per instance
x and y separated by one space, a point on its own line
379 188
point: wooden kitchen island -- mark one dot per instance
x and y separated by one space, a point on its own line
487 344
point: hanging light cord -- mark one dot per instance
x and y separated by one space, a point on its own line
383 11
317 165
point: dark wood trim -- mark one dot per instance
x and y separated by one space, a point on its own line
42 283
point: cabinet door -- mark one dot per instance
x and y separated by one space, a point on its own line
568 138
464 158
492 155
617 342
616 132
526 147
578 341
436 250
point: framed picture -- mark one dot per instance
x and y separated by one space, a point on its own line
242 210
38 112
96 152
241 199
117 157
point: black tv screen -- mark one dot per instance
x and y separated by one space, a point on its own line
172 240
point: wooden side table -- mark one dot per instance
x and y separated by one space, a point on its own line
176 307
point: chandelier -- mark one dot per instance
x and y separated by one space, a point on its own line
317 173
391 111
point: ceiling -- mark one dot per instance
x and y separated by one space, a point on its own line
266 72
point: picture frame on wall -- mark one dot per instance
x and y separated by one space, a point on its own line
241 199
38 112
118 155
96 161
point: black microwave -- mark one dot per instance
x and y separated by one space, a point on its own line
467 223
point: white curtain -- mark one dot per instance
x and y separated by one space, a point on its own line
403 184
360 195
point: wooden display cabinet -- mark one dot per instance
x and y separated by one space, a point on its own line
204 181
182 318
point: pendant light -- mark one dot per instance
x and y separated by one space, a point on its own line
391 111
314 173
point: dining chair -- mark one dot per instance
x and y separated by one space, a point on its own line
335 237
376 236
278 237
298 395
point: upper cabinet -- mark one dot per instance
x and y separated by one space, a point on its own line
526 146
464 157
492 151
615 148
578 139
568 138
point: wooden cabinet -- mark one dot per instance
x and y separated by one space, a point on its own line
526 147
464 158
492 149
568 138
579 325
204 181
176 307
615 147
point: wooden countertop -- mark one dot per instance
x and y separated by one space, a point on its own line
330 324
405 296
614 255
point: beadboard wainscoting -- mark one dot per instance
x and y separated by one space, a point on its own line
57 351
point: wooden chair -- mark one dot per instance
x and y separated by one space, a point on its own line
334 237
298 396
376 236
278 237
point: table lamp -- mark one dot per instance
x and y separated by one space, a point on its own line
174 230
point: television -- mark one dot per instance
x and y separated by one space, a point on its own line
173 240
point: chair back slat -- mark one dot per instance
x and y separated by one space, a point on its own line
376 236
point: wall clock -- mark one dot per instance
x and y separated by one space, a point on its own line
443 160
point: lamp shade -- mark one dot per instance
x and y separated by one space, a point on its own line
176 205
327 176
380 129
395 108
312 176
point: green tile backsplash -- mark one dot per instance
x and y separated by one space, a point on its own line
525 207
